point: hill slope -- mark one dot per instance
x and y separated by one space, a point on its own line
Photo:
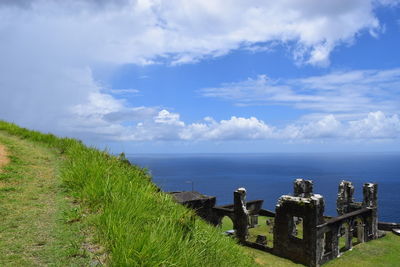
62 203
136 224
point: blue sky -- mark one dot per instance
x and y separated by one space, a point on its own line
175 76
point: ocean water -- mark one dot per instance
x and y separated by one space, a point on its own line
268 176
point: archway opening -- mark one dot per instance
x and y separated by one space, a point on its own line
226 224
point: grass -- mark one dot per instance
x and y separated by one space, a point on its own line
33 228
132 222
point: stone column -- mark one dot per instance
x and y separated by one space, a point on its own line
301 188
370 195
335 241
370 200
360 231
344 197
349 237
241 214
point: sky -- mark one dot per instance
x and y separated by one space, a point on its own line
175 76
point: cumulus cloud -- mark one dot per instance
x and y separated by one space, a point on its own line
350 92
167 126
48 48
236 128
376 125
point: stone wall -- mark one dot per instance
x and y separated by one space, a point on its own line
317 240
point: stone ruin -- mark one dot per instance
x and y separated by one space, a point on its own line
319 241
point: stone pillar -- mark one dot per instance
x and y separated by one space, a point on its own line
370 195
327 243
344 197
370 200
241 214
303 188
360 231
335 241
349 238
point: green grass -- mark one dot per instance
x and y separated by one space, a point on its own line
33 228
132 223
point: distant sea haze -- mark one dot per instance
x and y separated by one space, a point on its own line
268 176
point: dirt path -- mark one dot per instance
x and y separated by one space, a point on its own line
34 211
3 156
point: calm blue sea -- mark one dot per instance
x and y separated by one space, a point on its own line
268 176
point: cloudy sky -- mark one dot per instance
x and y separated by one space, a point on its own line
205 76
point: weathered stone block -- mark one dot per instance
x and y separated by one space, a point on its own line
303 188
344 197
261 239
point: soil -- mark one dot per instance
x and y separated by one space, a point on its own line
3 156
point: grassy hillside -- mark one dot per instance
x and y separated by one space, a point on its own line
65 204
136 224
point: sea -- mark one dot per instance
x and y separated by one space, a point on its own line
269 176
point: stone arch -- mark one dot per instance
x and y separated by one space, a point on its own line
226 223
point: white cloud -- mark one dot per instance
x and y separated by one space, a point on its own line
48 48
376 126
327 127
141 31
236 128
167 126
165 117
351 92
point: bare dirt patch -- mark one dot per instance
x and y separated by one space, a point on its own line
3 156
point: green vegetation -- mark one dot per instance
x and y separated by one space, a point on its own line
33 226
133 223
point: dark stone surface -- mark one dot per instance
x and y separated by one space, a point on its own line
345 201
303 188
388 226
241 215
370 200
261 239
201 204
189 196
